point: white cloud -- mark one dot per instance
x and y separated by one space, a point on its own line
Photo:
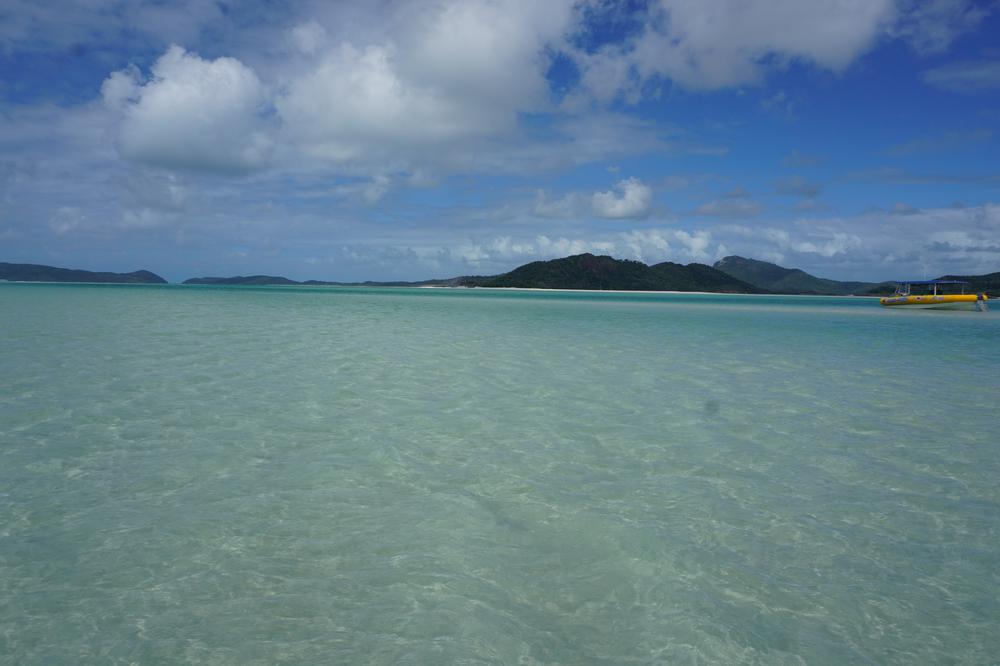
711 44
607 75
121 88
308 37
487 51
377 188
561 247
966 77
707 44
695 243
503 250
444 75
354 106
192 113
633 200
877 244
656 245
932 25
567 206
645 244
735 204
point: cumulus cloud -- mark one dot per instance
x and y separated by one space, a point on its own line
456 72
644 244
308 37
656 245
632 200
717 43
191 113
502 250
355 103
695 243
647 245
875 244
711 44
444 86
121 88
488 50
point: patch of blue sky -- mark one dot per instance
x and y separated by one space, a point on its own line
609 23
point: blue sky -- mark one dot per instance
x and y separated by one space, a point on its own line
409 139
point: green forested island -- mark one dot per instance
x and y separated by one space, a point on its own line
40 273
586 271
781 280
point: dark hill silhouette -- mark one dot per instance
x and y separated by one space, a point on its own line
243 279
586 271
781 280
989 283
41 273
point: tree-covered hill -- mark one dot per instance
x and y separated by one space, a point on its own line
787 280
41 273
587 271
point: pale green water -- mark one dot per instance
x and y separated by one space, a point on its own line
347 476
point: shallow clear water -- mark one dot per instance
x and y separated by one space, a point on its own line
295 475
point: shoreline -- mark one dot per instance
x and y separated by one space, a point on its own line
645 291
433 286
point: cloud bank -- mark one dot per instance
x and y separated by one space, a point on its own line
435 86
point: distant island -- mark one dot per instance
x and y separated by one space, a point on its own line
40 273
779 280
582 271
988 284
586 271
730 275
277 280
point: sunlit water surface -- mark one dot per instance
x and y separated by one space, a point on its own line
294 475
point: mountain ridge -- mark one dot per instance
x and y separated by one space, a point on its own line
779 279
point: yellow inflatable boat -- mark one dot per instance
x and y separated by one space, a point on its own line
936 296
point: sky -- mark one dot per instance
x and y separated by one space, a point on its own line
416 139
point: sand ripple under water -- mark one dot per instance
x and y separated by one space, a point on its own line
261 476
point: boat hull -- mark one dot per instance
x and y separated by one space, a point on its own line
940 302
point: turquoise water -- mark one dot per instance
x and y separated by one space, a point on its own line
347 476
